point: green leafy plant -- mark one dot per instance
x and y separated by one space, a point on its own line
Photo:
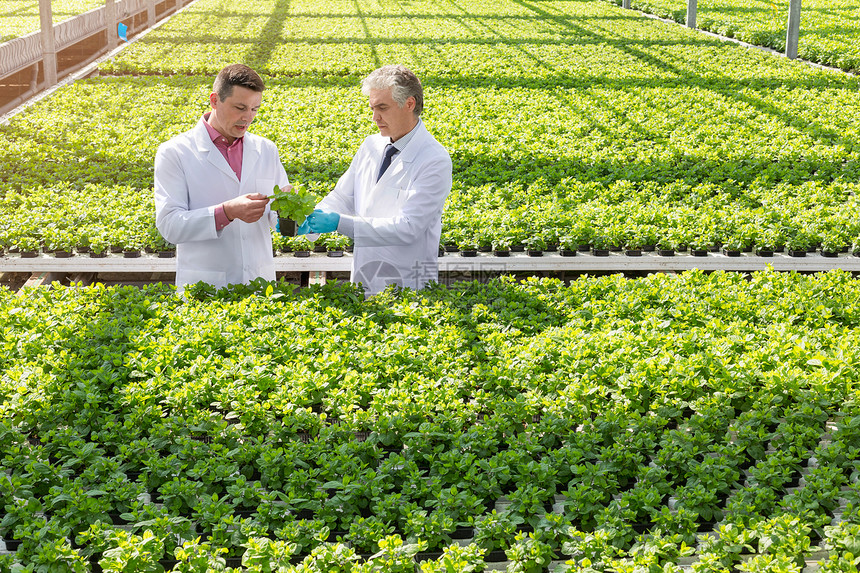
295 204
263 555
528 554
495 530
456 559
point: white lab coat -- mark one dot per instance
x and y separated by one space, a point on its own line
396 222
191 178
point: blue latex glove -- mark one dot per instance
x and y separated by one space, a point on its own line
303 229
323 221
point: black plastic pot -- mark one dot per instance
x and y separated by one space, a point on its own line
495 556
287 227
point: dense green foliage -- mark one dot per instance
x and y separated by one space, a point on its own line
21 17
829 33
567 122
263 415
295 204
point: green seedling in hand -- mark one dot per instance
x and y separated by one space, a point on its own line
295 204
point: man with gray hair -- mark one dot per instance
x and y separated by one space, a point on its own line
391 198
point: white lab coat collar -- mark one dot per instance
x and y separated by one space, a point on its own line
205 145
406 155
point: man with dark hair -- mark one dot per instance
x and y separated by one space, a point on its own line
391 198
212 187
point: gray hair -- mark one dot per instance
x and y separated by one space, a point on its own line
400 80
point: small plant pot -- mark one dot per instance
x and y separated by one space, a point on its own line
463 533
797 253
666 252
166 254
131 254
649 248
518 248
600 252
28 254
502 252
731 252
699 252
535 253
287 227
567 253
320 249
451 248
95 255
335 254
301 253
584 248
485 249
829 254
764 252
62 254
496 556
469 253
116 250
633 252
441 251
427 556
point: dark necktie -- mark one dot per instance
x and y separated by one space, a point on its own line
390 150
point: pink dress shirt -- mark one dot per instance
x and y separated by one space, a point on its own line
232 152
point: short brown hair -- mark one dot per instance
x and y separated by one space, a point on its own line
236 75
